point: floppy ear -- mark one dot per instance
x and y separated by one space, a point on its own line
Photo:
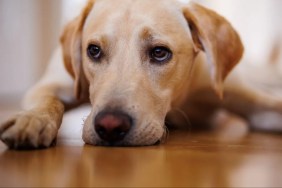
71 41
215 36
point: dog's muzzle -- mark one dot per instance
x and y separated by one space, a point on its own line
112 126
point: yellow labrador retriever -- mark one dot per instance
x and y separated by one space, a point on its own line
135 61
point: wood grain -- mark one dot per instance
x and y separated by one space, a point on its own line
187 159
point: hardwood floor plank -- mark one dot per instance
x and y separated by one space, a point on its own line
187 159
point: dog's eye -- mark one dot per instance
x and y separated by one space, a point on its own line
94 52
160 54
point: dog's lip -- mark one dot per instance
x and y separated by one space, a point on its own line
124 144
109 144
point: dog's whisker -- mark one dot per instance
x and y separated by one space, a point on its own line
186 118
168 124
84 119
165 135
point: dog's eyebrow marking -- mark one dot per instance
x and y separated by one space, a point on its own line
101 40
152 38
146 34
104 42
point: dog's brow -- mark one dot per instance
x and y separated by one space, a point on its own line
152 38
101 40
146 34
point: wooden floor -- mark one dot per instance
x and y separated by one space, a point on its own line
232 158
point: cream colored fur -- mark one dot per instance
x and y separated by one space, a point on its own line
205 47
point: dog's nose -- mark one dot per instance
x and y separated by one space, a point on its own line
112 126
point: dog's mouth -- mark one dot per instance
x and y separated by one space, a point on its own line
148 136
112 126
124 144
117 129
124 127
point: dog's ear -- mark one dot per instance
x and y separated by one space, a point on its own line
71 42
215 36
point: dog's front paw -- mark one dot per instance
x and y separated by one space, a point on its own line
29 130
269 121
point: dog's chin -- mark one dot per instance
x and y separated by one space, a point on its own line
134 138
127 144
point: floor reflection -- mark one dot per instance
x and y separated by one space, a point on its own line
187 159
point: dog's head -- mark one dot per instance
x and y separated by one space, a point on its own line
133 57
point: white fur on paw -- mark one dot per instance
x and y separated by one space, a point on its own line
267 121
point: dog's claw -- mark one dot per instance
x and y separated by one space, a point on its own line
30 130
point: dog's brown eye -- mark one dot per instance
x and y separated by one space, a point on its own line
94 52
160 54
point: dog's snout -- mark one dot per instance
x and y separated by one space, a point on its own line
112 126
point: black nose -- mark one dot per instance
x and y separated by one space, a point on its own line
112 126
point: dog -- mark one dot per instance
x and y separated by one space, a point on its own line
136 61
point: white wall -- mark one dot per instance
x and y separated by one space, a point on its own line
17 46
257 21
71 8
29 31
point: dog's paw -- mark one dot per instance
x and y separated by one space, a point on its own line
269 121
29 130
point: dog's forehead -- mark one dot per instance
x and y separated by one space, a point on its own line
107 15
136 5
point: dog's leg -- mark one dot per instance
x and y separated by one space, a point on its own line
44 105
262 110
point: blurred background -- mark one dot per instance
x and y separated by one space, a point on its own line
30 30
